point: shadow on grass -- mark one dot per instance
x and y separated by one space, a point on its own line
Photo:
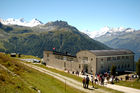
95 88
90 89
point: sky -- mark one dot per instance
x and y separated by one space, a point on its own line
83 14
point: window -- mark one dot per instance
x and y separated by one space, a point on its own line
91 59
114 58
127 57
128 65
58 57
101 66
122 66
102 59
118 66
125 66
85 59
108 68
118 58
70 58
109 58
102 63
122 57
79 66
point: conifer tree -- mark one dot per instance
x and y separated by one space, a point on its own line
113 70
138 68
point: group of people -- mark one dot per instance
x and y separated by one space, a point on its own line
94 80
99 79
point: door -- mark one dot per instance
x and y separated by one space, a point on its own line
85 68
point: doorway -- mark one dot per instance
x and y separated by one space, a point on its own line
85 68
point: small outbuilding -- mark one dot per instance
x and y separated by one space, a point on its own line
13 54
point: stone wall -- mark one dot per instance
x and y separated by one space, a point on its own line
91 62
61 62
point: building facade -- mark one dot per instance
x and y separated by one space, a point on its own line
91 61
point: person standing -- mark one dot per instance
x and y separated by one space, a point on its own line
102 80
92 81
84 82
87 81
96 81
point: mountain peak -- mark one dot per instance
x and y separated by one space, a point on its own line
21 22
34 19
57 23
35 22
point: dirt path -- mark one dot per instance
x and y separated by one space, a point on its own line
123 89
78 85
3 67
67 80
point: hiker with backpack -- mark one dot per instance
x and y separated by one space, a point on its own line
87 81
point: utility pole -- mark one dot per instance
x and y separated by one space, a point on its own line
65 85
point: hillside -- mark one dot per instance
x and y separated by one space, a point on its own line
18 78
34 40
129 40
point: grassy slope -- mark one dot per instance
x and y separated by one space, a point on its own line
132 84
12 84
28 80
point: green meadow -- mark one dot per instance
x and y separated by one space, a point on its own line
27 80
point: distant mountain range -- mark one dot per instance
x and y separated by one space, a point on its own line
21 22
107 31
122 38
34 39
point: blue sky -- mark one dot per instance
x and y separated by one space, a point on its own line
84 14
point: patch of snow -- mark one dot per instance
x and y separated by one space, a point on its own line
107 31
21 22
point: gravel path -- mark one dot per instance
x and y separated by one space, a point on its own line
123 89
78 85
67 80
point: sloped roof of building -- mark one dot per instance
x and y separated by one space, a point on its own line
111 52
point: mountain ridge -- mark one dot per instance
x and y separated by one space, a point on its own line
34 40
123 41
108 31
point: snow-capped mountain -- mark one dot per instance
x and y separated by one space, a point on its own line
21 22
107 31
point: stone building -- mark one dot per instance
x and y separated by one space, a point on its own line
91 61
